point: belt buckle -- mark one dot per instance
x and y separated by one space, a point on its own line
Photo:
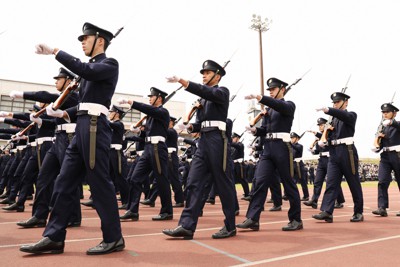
334 142
269 136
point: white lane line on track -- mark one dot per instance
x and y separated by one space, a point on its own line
317 251
220 251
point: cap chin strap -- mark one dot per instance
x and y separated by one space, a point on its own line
155 100
95 41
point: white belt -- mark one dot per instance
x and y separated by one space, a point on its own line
220 124
171 149
188 160
297 159
139 153
238 160
21 147
13 150
93 109
116 146
347 141
33 143
324 154
155 139
391 148
40 140
284 136
67 127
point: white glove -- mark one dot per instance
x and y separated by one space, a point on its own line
252 96
54 113
4 113
18 137
250 129
387 122
312 150
173 79
324 109
122 100
37 120
2 119
16 94
180 139
321 144
181 126
43 49
375 149
134 129
251 146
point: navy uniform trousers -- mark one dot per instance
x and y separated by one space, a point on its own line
5 177
31 171
240 177
16 171
390 160
275 156
302 178
146 165
48 173
322 170
173 177
339 166
206 167
76 163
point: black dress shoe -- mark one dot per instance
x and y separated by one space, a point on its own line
29 197
305 199
249 224
148 202
88 203
201 213
276 208
247 198
15 206
357 217
237 212
129 215
74 224
381 212
323 216
224 233
210 201
32 222
7 201
163 217
311 203
178 205
3 196
270 201
179 232
105 248
284 197
398 214
123 207
293 226
45 245
338 205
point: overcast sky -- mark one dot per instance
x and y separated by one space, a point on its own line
174 37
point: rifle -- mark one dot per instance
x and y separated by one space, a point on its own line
262 114
328 125
234 96
379 132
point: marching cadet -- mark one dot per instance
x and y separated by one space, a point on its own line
300 174
277 155
89 150
210 162
52 161
387 141
322 168
343 159
173 165
238 157
118 163
154 158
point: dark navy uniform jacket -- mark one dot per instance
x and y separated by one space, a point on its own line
392 135
118 132
157 121
193 147
297 150
215 102
279 118
139 140
98 80
237 150
341 118
172 138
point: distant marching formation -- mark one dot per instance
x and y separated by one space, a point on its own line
74 137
